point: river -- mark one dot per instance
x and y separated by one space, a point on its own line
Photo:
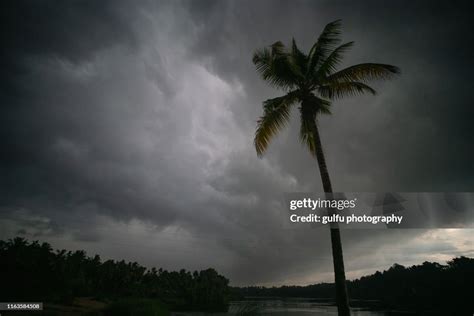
300 307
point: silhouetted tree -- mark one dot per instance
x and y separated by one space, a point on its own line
422 288
34 272
312 81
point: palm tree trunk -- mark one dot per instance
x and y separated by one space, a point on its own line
342 299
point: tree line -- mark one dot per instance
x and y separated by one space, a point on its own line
33 271
429 286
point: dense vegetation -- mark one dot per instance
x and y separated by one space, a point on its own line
429 286
31 271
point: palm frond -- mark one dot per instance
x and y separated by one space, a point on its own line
337 90
276 114
309 111
321 106
326 42
298 60
330 63
271 70
276 67
278 48
307 128
363 73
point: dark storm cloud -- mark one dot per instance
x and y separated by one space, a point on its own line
59 28
56 28
421 119
127 129
52 112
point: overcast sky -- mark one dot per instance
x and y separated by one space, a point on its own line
127 130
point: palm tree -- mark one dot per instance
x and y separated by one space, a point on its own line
312 81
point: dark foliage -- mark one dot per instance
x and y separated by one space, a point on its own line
31 271
426 286
429 286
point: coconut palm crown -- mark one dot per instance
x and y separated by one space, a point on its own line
312 80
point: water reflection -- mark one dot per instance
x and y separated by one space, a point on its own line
303 307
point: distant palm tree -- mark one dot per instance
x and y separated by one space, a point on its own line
312 81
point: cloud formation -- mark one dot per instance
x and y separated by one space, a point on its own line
127 130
